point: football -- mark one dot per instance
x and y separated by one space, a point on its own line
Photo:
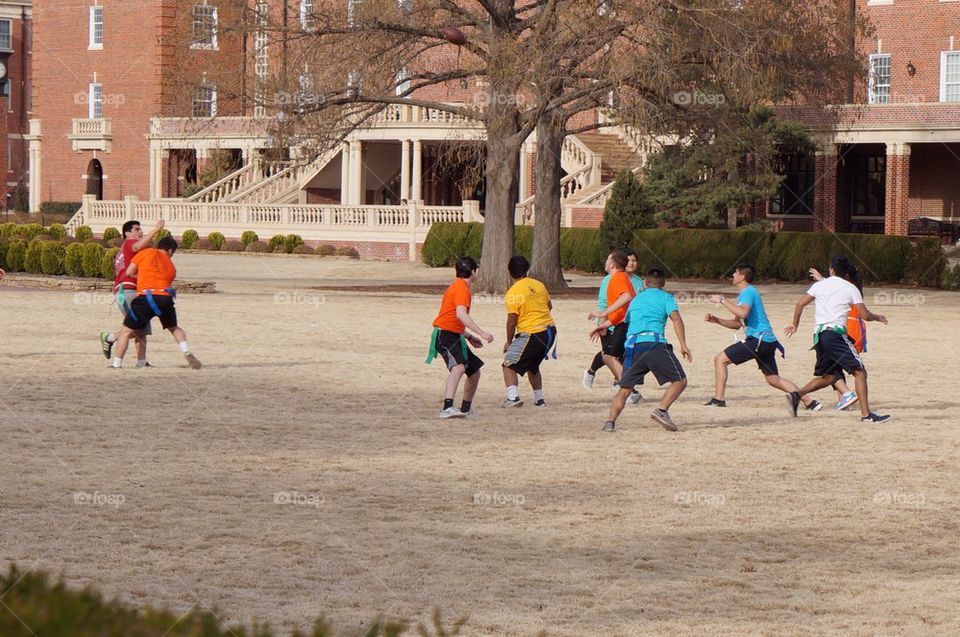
453 35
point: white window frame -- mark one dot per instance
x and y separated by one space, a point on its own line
403 81
307 8
201 99
261 66
95 100
8 36
214 27
872 93
96 11
944 55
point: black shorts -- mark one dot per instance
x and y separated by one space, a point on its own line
527 351
450 347
754 349
612 343
836 354
659 359
141 313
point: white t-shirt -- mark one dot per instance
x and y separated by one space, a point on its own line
834 297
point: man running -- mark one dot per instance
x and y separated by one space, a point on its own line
531 333
760 343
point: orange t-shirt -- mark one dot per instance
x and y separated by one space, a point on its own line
619 283
457 294
155 271
856 330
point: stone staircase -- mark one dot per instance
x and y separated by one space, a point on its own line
616 155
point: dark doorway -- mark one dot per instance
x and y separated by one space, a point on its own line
95 179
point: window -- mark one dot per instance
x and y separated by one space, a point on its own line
95 101
6 43
96 27
261 59
795 194
878 84
306 15
868 183
204 27
5 91
403 81
205 101
950 76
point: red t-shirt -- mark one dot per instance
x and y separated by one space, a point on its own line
619 283
120 264
457 294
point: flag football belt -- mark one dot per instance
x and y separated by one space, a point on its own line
153 303
551 343
779 345
432 354
632 346
827 328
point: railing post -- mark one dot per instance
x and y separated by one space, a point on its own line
595 170
371 216
128 207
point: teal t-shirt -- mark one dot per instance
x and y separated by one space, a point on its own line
648 313
756 325
602 295
638 285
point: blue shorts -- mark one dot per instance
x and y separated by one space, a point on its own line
836 354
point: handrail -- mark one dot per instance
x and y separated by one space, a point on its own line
224 186
569 186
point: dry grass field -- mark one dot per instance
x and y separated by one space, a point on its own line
304 470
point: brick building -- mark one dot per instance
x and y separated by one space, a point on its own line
15 45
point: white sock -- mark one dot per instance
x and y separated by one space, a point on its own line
183 347
537 394
117 362
141 361
111 338
513 393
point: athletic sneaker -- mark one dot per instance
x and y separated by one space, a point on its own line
616 384
793 403
815 405
516 402
470 413
540 403
588 379
452 412
105 345
715 402
192 360
609 425
664 419
634 398
875 417
143 364
846 400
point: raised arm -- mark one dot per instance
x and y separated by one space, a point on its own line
147 239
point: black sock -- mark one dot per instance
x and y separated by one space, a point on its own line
597 363
447 403
465 406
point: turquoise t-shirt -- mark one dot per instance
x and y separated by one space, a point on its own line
756 325
602 296
648 313
638 285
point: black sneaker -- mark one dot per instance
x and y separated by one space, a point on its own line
814 406
540 403
793 403
609 425
875 417
715 402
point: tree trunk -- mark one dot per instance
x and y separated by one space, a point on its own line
545 261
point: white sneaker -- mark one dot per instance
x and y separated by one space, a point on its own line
634 398
192 360
452 412
516 402
588 379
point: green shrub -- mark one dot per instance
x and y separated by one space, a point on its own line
627 210
950 279
106 264
114 243
163 232
52 256
67 240
31 260
258 246
523 241
111 233
4 246
83 233
925 262
68 208
92 257
248 237
73 261
276 240
581 249
189 238
56 230
7 230
445 242
42 237
325 250
291 241
303 249
232 246
216 240
348 252
31 230
94 240
16 254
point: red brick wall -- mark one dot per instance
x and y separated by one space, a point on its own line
897 191
934 187
381 250
323 196
15 118
586 217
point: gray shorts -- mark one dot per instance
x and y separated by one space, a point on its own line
128 296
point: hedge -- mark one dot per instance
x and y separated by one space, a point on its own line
68 208
52 256
694 252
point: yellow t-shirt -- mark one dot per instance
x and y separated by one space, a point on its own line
529 300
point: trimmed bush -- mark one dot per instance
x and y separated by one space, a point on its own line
67 240
42 237
106 264
950 279
68 208
627 210
276 240
7 230
189 238
581 249
216 240
325 250
232 246
4 246
203 244
92 257
73 261
163 232
56 230
31 230
248 237
926 262
292 241
258 246
31 260
52 256
83 233
16 254
303 249
111 233
280 249
445 242
114 243
348 252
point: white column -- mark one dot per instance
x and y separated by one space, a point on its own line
415 193
344 174
356 173
405 170
524 160
154 188
34 138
